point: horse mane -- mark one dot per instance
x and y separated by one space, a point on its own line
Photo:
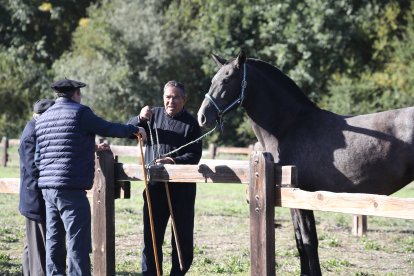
275 73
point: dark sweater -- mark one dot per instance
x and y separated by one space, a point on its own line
173 132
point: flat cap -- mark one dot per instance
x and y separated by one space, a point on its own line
66 85
42 105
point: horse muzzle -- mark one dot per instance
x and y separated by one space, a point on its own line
206 117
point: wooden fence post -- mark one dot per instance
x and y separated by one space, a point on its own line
359 225
104 215
262 214
212 148
3 151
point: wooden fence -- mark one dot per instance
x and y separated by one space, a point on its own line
213 151
5 155
270 186
359 222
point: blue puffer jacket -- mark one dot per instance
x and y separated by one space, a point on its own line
66 154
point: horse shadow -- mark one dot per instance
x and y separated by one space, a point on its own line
219 174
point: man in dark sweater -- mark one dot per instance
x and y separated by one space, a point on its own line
31 204
171 126
66 144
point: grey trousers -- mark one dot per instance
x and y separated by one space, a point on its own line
34 253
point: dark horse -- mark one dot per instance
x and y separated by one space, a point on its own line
372 153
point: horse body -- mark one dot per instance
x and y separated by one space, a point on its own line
372 153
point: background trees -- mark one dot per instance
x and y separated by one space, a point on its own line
33 34
349 56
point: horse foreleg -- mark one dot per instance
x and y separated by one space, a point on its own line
306 241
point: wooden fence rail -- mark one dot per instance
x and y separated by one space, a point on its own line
214 150
118 150
269 186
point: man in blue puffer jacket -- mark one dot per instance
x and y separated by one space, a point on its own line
66 144
31 204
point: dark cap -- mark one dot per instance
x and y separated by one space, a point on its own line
42 105
66 85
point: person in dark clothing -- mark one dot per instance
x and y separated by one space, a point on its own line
66 145
31 204
170 127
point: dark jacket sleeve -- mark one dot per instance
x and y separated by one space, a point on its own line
26 154
91 123
135 121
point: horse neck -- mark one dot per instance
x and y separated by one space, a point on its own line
271 104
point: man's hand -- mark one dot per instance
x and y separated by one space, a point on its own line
165 160
145 113
141 131
102 147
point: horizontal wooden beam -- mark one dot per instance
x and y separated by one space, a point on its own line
185 173
233 150
14 142
9 185
363 204
12 186
126 151
212 171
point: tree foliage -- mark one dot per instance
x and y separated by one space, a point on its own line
21 79
33 34
389 82
126 66
349 56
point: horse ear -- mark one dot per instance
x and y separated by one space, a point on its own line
219 60
241 58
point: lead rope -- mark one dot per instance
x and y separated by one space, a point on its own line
152 141
183 146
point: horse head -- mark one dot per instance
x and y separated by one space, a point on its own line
226 90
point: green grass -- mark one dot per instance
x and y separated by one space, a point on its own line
406 192
222 238
9 172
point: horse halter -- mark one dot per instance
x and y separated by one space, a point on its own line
239 100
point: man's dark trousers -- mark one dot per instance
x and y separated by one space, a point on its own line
34 251
67 213
182 200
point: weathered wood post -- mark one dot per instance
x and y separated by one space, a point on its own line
104 215
122 188
3 151
359 225
212 148
262 214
